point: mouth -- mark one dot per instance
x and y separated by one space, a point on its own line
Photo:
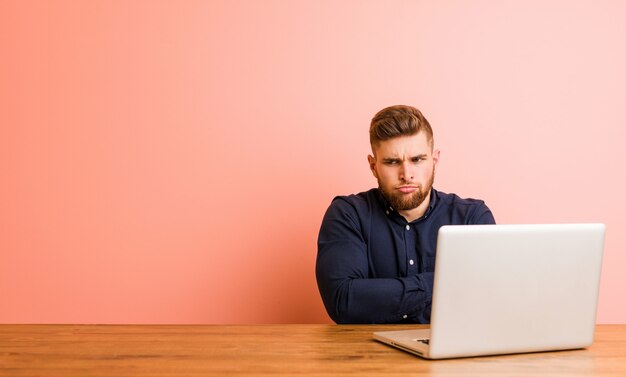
407 189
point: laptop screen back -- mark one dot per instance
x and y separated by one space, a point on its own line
515 288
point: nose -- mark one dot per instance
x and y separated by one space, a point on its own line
406 173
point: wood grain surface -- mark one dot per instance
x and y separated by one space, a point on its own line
270 350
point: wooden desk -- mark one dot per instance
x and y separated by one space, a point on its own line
274 350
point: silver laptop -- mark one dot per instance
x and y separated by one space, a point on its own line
502 289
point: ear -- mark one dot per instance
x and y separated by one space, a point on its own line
372 161
436 154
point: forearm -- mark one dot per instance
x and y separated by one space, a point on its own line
378 300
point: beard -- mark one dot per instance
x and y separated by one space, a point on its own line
404 202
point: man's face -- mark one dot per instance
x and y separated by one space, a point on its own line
405 170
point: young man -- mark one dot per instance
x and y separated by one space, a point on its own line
376 249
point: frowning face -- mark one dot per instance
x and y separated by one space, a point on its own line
405 169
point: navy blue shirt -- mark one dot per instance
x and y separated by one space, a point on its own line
375 267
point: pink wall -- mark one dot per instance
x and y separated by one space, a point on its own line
170 161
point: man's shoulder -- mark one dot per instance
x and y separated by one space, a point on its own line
353 209
452 199
360 202
464 210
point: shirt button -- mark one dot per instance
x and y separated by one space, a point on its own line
387 212
405 316
408 227
411 262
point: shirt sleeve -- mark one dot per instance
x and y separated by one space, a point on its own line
349 294
483 215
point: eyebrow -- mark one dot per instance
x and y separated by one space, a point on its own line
391 159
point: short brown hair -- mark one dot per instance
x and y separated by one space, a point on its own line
396 121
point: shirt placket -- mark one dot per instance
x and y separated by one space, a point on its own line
410 238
